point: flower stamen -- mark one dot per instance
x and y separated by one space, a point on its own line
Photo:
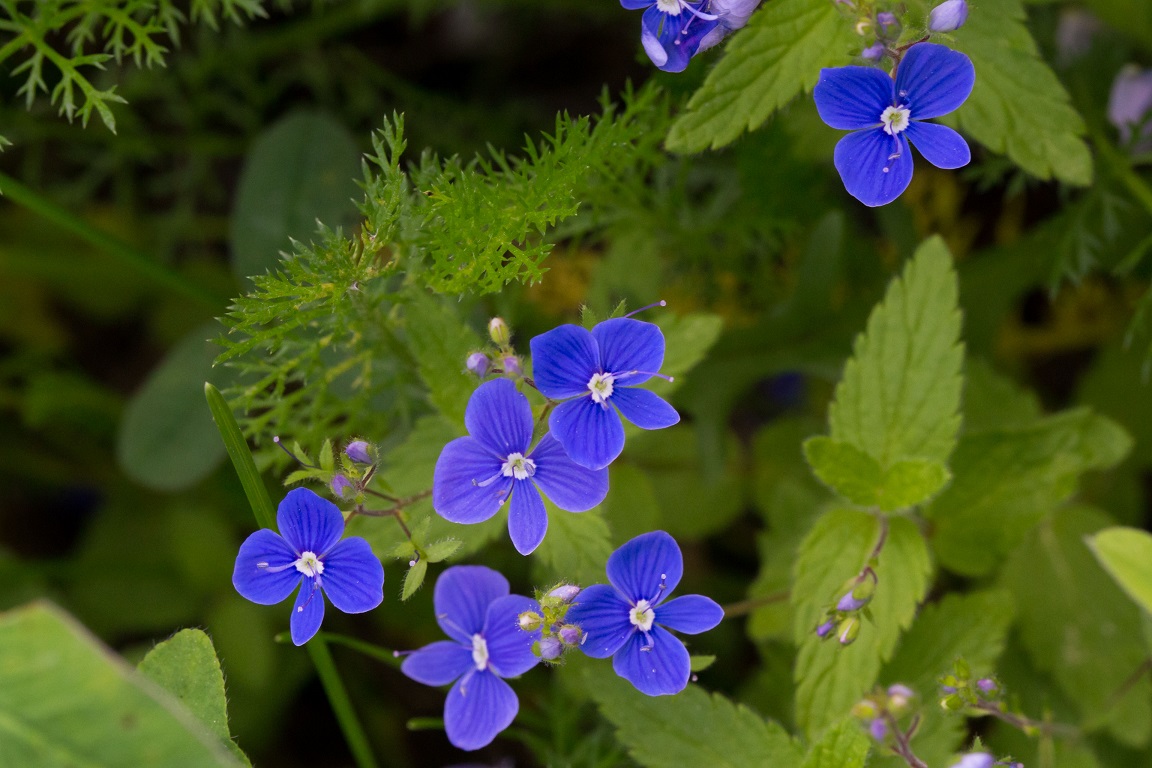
518 466
642 616
895 119
309 564
601 385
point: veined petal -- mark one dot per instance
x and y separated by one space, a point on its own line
478 707
309 523
691 614
862 157
272 583
307 612
852 98
630 345
509 647
652 46
570 486
467 486
679 36
646 568
353 578
563 361
602 613
438 663
643 408
657 664
500 418
461 599
590 433
939 144
527 518
934 80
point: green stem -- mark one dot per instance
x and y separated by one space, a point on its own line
368 649
1123 170
137 260
341 704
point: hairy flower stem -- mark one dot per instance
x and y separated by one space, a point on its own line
901 739
897 54
1026 724
744 607
396 512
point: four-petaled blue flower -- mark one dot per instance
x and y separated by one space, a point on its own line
475 475
623 620
875 161
474 608
671 30
600 369
310 554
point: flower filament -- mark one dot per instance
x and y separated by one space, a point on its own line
479 652
895 119
518 466
309 564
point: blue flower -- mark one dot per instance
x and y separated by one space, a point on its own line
599 369
875 162
949 16
671 30
624 620
310 554
731 15
474 608
975 760
475 475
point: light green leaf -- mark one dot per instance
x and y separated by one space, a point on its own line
440 343
66 700
701 663
830 677
900 395
1126 553
844 745
776 57
413 579
185 665
993 401
1019 107
859 478
241 456
441 550
691 729
1005 481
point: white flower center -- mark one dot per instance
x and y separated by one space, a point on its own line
518 467
479 652
309 564
895 119
600 385
671 7
642 616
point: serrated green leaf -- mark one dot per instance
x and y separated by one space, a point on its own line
413 578
776 57
1126 553
859 478
844 745
1005 481
830 677
900 394
1018 106
1080 627
185 665
404 550
440 342
441 550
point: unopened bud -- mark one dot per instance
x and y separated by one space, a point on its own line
865 709
825 629
874 52
530 621
952 703
863 27
477 364
565 592
848 630
975 760
341 485
549 648
570 634
988 687
499 332
850 603
878 729
511 366
949 16
359 451
899 698
889 24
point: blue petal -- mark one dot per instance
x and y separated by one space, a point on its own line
662 670
527 518
467 484
934 80
692 614
641 565
563 361
645 409
260 585
628 345
861 158
439 663
461 599
851 98
602 614
509 647
309 523
479 706
939 144
591 433
307 612
635 5
570 486
652 46
353 578
499 417
679 35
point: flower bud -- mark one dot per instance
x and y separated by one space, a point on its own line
889 24
359 451
825 629
549 648
570 634
865 709
988 687
949 16
878 729
340 486
874 52
1129 104
511 365
899 697
530 621
849 603
477 364
975 760
848 630
565 592
499 332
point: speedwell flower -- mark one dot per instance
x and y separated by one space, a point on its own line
671 30
874 161
308 552
473 608
475 475
599 369
624 620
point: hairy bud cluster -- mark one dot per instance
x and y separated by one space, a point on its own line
556 635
